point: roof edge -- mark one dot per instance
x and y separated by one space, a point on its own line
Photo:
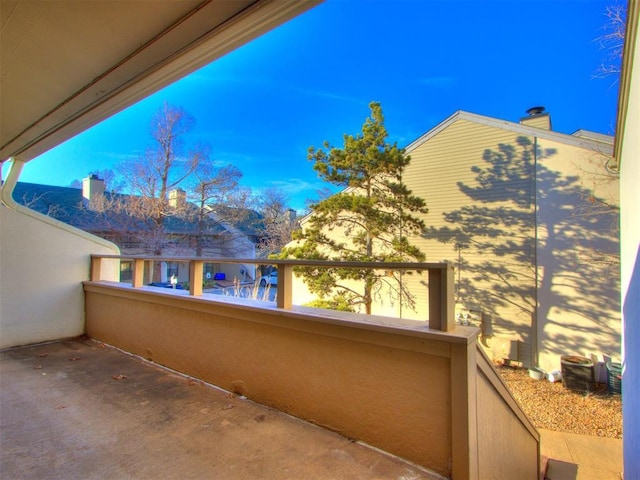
603 147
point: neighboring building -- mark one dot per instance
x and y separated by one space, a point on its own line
183 236
528 218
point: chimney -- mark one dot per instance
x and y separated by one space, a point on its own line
292 215
177 198
92 188
536 117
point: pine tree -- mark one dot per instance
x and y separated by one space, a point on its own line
368 221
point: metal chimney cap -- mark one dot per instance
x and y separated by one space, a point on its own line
535 111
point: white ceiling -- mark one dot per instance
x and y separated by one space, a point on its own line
67 65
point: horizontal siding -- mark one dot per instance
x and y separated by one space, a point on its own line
436 170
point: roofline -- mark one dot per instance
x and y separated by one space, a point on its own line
603 147
599 137
631 32
226 227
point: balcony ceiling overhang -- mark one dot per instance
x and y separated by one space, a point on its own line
67 65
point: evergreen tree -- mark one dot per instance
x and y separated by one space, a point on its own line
369 221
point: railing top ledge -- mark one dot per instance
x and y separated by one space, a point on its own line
293 262
441 302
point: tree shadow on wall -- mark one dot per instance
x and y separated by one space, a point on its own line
494 238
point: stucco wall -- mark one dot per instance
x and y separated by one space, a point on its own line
42 267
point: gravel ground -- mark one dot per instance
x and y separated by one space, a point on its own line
554 407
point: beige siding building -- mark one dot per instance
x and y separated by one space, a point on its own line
528 217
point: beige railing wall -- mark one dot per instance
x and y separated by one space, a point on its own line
508 444
395 384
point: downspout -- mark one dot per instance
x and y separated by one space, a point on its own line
534 319
6 194
401 279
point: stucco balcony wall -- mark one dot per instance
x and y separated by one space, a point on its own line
393 384
42 264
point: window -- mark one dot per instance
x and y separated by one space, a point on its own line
126 271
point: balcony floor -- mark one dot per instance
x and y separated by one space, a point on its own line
79 409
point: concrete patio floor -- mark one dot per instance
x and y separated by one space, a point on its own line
79 409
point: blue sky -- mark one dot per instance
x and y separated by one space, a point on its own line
262 106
